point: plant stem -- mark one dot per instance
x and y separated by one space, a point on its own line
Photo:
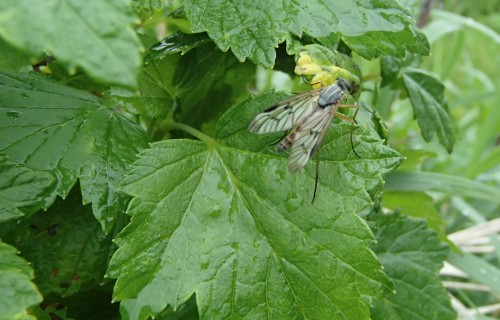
192 131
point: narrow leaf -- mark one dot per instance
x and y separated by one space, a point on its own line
430 181
426 96
51 127
478 269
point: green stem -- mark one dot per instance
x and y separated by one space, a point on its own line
192 131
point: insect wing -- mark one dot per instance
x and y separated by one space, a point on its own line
308 136
284 115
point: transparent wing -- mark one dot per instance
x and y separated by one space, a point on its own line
307 137
285 114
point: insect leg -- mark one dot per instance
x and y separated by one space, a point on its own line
352 106
317 177
352 121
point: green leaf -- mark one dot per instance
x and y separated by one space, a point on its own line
371 44
176 43
415 204
479 270
414 158
95 35
426 95
148 6
412 256
198 85
389 69
97 303
369 27
11 59
229 223
17 291
51 312
22 187
47 126
430 181
66 245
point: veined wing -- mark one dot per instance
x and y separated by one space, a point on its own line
307 137
285 114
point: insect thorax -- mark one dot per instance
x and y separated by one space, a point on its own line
330 95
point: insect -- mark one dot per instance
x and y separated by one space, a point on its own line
308 114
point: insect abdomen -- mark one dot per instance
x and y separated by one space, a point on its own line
285 143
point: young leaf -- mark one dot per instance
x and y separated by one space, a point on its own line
21 187
66 245
17 292
47 126
427 98
225 221
95 35
412 256
369 27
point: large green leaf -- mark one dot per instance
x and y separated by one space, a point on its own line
95 35
17 292
412 256
253 29
426 94
66 245
225 220
21 187
47 126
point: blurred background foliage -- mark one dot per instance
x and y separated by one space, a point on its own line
465 43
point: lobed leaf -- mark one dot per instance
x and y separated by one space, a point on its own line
225 221
412 256
104 45
17 291
252 30
51 127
